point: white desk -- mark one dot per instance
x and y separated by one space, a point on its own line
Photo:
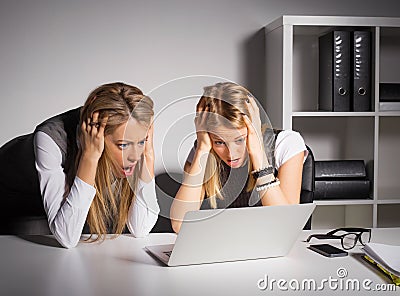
34 265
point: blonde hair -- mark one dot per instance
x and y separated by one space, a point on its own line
228 101
114 196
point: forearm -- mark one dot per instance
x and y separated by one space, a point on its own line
190 194
289 187
66 215
187 199
67 222
143 213
259 159
273 196
87 169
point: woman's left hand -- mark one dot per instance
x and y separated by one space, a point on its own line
255 145
148 156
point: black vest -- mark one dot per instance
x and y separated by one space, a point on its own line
19 182
62 129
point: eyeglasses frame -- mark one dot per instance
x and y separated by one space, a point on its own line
350 230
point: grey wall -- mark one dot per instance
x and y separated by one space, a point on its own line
53 52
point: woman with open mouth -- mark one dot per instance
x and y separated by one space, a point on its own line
94 168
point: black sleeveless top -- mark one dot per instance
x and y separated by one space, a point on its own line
234 187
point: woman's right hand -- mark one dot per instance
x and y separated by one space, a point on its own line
203 138
92 137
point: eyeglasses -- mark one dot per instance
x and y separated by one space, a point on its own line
349 239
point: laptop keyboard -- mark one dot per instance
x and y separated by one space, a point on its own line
168 253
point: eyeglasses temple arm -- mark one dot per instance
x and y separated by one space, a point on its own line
322 236
349 229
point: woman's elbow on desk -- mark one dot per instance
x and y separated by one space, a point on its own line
68 245
176 225
142 229
140 233
67 241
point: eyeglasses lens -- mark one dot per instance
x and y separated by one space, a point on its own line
365 237
349 241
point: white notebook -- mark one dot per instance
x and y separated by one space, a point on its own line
386 255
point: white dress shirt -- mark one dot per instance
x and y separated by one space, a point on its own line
67 216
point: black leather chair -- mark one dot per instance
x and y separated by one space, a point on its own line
167 185
308 182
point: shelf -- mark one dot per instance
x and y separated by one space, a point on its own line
389 113
388 201
335 216
338 137
389 158
389 58
331 21
388 215
305 74
292 90
341 202
344 202
333 114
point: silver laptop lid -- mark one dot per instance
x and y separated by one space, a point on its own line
220 235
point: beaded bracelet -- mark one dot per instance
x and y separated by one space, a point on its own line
268 185
263 172
265 179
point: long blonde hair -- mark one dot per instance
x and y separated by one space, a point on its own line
228 101
114 196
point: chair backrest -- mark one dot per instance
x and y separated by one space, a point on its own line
308 182
167 185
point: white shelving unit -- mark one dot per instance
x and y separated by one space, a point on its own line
292 79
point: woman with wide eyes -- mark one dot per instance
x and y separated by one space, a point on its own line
94 167
228 165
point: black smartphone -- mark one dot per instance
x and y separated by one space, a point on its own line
328 250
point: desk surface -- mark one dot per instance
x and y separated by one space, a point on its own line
37 265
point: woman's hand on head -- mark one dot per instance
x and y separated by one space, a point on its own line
149 147
147 173
92 136
200 121
254 115
255 145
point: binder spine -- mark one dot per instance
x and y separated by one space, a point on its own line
325 100
341 91
341 189
361 56
334 71
340 169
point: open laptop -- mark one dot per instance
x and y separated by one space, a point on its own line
220 235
